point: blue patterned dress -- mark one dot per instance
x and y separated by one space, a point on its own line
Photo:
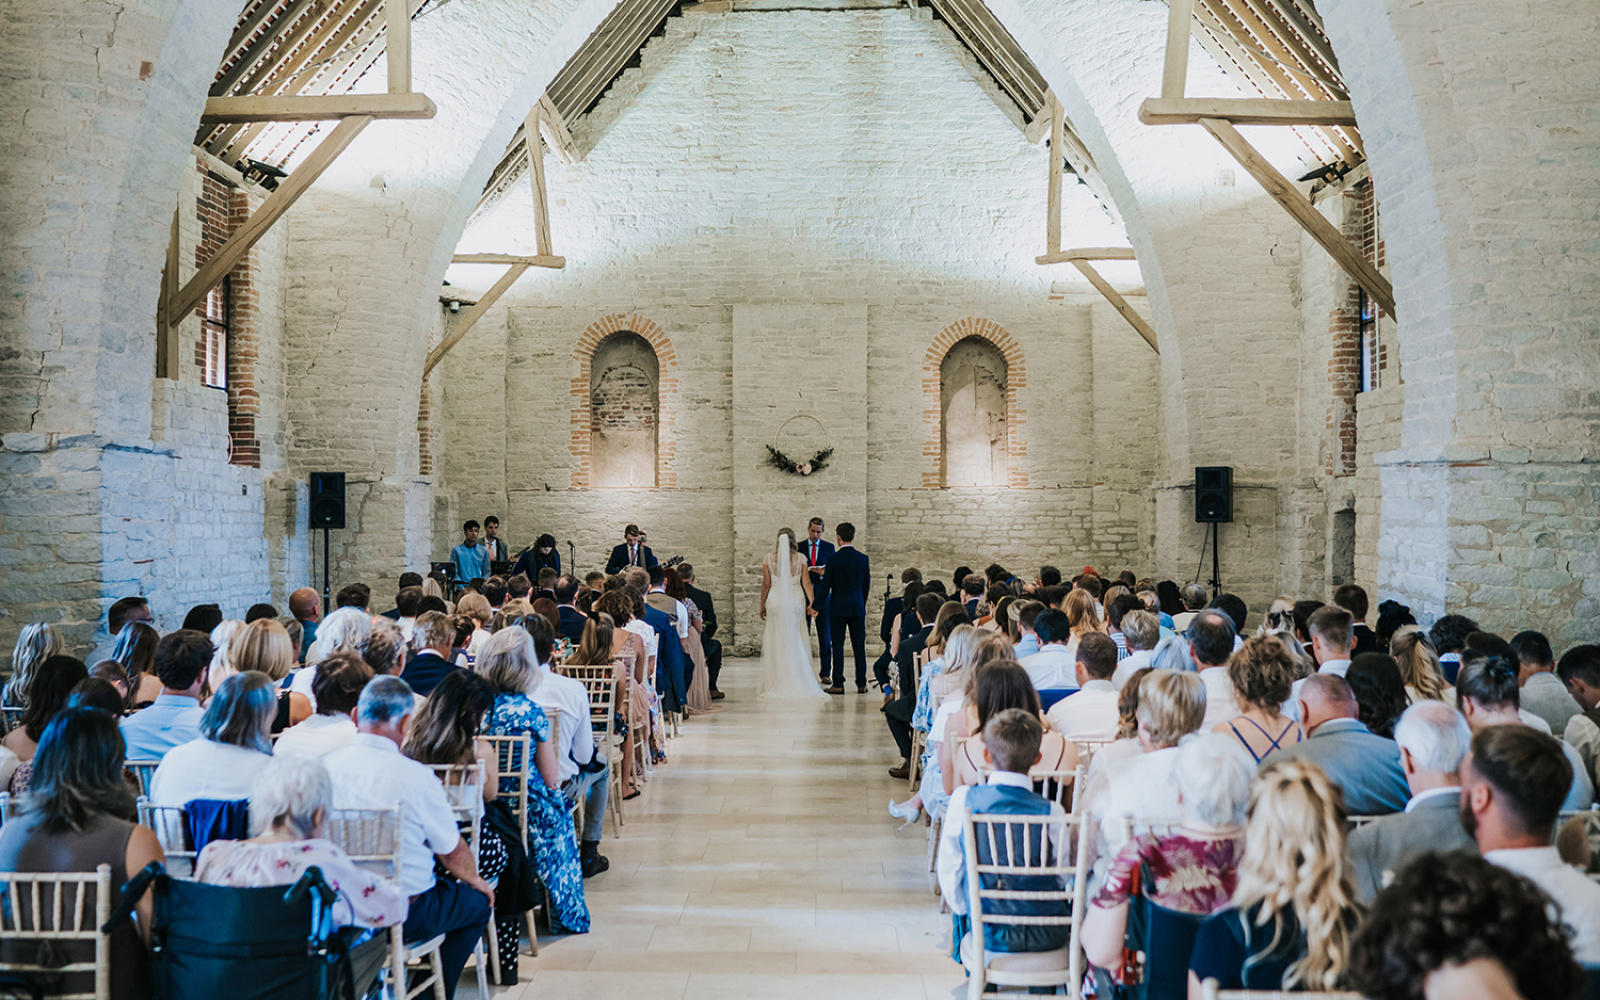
552 840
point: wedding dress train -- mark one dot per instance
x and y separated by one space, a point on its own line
785 647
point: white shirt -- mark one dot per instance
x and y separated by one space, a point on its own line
315 736
202 769
370 773
1578 897
1135 661
300 683
1291 708
1181 620
570 698
1091 714
1053 667
1221 705
951 860
1584 736
1138 788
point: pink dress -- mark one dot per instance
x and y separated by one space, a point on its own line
364 899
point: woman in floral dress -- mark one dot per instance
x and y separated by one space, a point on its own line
510 662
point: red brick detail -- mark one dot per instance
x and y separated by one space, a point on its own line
221 209
1344 327
666 390
425 430
1016 378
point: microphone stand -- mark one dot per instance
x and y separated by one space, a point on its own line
572 558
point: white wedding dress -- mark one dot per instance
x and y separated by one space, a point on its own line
785 648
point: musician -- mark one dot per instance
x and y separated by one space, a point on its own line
632 552
491 540
543 554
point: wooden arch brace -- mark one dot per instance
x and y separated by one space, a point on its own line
1083 259
516 267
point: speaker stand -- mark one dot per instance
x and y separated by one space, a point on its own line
1216 559
327 582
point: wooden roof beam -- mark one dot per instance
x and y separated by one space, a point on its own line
536 260
471 317
1085 253
1246 111
329 107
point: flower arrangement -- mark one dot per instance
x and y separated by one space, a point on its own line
818 462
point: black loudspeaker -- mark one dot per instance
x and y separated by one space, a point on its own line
1213 493
327 500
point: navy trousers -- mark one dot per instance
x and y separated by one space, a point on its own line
457 911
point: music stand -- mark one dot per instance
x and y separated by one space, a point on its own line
500 567
448 571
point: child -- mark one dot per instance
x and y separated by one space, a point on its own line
1011 746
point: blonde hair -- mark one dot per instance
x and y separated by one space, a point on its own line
1294 862
959 653
221 662
1172 705
1082 617
989 647
475 606
36 644
509 663
262 645
1419 664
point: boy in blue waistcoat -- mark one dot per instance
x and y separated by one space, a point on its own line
1010 746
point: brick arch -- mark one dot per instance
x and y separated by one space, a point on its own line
666 392
1016 378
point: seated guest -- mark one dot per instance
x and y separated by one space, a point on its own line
1171 706
571 620
1543 694
475 607
36 643
1579 670
434 637
1353 598
48 688
1455 926
1262 674
136 651
1487 693
1141 630
1028 643
1374 679
897 713
585 774
79 815
1364 766
1117 608
174 717
1294 911
202 618
1053 669
234 746
289 803
1449 638
994 687
406 579
1194 866
1512 783
1419 666
1330 645
345 629
1083 616
89 693
407 604
1433 738
1211 635
340 679
942 695
371 773
1237 611
264 645
510 663
353 595
386 647
305 605
1194 598
1010 747
1091 712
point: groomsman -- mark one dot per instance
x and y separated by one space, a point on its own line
632 552
816 553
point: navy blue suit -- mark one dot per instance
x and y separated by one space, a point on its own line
425 671
670 682
819 597
620 561
572 623
846 582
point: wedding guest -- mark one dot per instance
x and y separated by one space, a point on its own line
1262 673
1543 694
174 717
628 650
1211 635
1142 631
1364 766
340 679
1419 666
48 688
1091 712
1053 669
434 636
36 643
264 645
234 746
993 688
1293 913
941 695
476 607
1487 693
135 649
1171 706
203 618
1374 679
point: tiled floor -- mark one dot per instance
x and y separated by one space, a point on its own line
759 862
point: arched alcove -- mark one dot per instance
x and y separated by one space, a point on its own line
973 415
624 412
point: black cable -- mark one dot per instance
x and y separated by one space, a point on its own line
1202 561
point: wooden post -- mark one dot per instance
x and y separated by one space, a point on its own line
1118 303
1052 222
465 323
255 227
1353 261
166 321
541 201
397 47
1175 69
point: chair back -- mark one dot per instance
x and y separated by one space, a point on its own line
1209 991
142 771
1088 748
463 787
10 718
371 837
600 682
1023 878
514 757
171 827
1056 785
45 916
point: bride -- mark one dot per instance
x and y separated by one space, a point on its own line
785 648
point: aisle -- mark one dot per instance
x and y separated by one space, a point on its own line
759 862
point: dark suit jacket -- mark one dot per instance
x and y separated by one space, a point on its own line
846 582
1390 843
905 697
971 604
572 623
531 562
425 671
393 614
819 595
891 607
619 558
670 679
702 600
1366 641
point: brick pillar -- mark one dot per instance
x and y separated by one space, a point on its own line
244 315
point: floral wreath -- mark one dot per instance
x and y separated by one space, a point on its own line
778 460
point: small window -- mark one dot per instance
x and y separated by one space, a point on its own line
972 391
1367 324
214 333
624 412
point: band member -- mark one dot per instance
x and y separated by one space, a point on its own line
632 552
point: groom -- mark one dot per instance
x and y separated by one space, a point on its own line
845 580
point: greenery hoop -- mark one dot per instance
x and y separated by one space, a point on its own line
798 467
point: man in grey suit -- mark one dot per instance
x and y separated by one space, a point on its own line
1543 693
1364 765
1433 737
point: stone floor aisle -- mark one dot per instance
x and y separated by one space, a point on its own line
759 863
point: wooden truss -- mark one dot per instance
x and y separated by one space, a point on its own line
1083 258
353 112
515 265
1219 116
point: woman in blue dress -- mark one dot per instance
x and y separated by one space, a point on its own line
510 661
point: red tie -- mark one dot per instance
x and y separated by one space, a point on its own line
813 553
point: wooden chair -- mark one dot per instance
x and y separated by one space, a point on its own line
919 739
54 907
1024 847
463 786
514 756
171 828
372 839
1209 991
142 771
599 680
1088 748
10 718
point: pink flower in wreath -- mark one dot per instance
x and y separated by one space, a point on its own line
804 468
